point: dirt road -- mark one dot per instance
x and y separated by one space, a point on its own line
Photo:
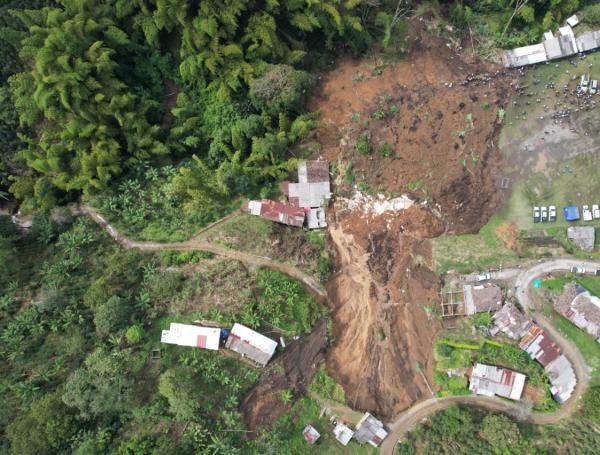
408 419
194 244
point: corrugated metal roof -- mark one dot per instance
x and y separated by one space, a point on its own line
490 380
315 218
526 55
588 41
562 378
510 321
278 212
310 434
343 434
369 429
251 344
192 336
317 171
539 346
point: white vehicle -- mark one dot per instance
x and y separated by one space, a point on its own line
587 213
536 214
552 213
483 277
544 214
579 270
584 84
594 87
596 211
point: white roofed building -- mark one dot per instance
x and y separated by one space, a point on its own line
251 344
343 434
192 336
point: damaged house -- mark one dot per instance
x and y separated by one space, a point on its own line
482 299
307 199
580 307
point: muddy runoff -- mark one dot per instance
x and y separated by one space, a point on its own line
383 335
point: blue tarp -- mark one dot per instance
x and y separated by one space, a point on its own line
571 213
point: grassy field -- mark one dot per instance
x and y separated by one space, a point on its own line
471 252
574 181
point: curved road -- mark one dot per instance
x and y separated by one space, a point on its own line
409 418
197 244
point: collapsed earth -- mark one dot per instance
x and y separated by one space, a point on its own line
299 227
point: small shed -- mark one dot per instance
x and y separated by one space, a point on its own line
571 213
582 236
343 434
310 434
370 430
192 336
573 20
251 344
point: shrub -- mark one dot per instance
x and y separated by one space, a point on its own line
134 334
385 150
363 145
457 383
591 14
111 316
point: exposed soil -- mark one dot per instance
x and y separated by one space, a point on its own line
440 116
292 370
383 335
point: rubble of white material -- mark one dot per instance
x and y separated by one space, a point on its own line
377 205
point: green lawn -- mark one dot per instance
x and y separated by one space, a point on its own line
471 252
574 181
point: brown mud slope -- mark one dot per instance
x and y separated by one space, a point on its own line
440 116
383 335
293 370
439 113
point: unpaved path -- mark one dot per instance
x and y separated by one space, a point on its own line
408 419
196 244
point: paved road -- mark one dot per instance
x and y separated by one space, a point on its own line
524 279
197 244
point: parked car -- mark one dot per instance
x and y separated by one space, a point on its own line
584 83
483 277
594 87
536 214
577 270
544 214
596 211
552 213
587 213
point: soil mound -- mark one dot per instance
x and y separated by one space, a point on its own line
292 370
